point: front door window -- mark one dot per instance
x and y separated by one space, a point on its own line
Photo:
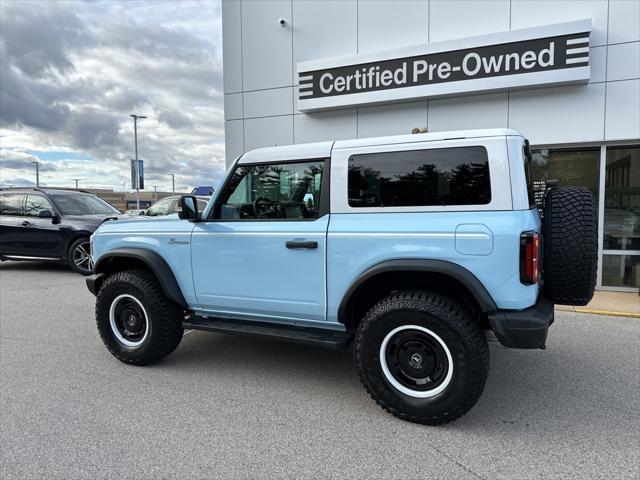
36 204
282 191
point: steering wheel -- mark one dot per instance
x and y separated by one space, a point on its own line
263 207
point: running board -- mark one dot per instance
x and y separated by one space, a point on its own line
311 336
24 257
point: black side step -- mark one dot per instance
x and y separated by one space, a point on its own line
315 336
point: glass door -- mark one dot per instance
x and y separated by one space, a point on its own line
621 231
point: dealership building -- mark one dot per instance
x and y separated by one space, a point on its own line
566 74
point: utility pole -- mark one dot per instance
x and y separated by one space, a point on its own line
155 192
76 180
37 173
173 182
135 141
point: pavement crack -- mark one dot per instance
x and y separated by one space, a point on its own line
461 465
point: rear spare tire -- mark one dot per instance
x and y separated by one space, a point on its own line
570 245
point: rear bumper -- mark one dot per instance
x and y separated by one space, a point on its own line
94 281
523 328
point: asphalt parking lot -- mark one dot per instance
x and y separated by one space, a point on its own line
243 407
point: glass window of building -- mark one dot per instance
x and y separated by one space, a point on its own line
621 271
622 199
621 242
571 168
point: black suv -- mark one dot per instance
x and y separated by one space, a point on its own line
51 224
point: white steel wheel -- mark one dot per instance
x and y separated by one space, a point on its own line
416 361
128 320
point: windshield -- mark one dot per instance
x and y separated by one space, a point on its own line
202 204
82 204
161 207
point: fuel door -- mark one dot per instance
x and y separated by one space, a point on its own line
474 239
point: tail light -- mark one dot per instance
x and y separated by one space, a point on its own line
529 258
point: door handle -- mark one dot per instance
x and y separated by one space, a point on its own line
25 223
301 244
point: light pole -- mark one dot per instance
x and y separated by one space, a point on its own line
37 173
173 182
135 141
76 180
155 192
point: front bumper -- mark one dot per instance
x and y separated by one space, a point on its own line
523 328
94 281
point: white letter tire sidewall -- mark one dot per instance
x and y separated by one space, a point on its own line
114 327
397 385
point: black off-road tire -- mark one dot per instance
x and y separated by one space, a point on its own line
455 326
77 247
570 229
164 318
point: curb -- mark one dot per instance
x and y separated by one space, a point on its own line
606 312
565 308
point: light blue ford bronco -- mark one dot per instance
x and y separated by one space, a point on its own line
409 248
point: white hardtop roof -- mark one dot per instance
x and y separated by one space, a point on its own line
288 152
323 149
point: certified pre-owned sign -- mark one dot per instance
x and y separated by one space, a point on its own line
553 54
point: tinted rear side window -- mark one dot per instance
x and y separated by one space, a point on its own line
11 203
434 177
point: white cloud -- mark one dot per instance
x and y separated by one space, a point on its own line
71 85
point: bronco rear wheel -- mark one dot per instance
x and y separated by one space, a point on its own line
136 321
570 232
422 357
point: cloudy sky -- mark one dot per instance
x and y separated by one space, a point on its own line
73 71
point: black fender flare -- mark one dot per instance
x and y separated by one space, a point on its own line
453 270
151 259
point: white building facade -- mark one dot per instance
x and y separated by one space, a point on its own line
566 74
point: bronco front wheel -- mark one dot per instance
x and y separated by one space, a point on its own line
137 322
422 357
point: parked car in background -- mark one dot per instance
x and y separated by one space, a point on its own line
136 212
170 205
40 223
203 191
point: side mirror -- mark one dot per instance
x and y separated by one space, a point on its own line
55 219
188 208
